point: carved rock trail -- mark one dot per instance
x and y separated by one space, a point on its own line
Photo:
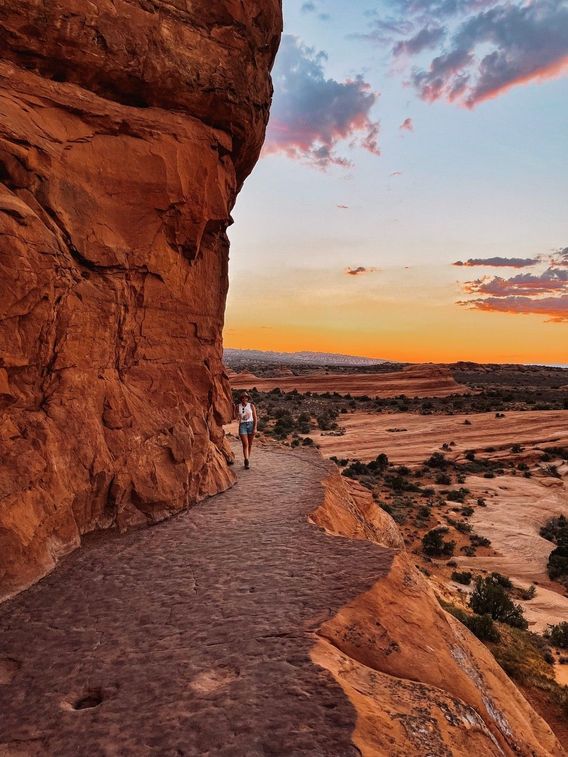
241 627
192 637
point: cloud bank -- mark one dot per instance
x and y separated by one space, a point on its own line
544 293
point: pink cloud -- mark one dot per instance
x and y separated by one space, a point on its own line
488 48
555 308
537 294
313 114
407 125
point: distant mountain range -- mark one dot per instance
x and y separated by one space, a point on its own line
295 358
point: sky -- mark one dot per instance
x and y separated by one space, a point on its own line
411 200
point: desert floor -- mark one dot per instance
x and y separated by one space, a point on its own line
516 506
408 439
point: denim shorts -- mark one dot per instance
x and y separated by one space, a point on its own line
246 428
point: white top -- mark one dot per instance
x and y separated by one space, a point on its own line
245 413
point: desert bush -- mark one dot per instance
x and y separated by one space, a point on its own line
558 635
463 577
457 495
528 594
490 598
436 460
433 543
463 527
481 626
467 511
502 580
479 541
552 470
443 479
556 530
558 563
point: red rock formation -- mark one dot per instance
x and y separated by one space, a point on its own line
126 130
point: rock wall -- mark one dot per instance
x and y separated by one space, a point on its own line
127 128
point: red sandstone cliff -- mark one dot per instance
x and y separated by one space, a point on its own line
126 130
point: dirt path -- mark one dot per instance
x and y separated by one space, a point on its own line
192 637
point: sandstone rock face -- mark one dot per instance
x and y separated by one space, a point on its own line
126 130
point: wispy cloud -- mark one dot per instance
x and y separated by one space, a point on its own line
343 207
426 38
312 6
407 125
554 308
313 114
498 262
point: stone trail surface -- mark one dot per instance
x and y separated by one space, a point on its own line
192 637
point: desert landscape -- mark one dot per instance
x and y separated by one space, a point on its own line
387 576
490 479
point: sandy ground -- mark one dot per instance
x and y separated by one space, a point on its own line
413 381
516 509
516 506
418 436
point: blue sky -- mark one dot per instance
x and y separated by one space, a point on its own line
461 183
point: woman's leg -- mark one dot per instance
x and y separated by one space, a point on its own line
250 441
245 443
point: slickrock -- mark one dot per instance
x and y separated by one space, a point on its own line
126 130
414 381
242 628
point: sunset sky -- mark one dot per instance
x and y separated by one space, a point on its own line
411 202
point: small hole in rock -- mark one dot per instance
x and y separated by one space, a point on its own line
88 701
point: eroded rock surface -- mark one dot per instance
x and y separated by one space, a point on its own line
126 130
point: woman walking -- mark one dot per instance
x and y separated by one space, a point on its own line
245 411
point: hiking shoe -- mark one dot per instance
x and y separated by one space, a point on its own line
247 465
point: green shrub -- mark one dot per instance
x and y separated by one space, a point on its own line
481 626
437 460
484 628
443 479
490 598
558 563
502 580
433 543
528 594
479 541
558 635
463 577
